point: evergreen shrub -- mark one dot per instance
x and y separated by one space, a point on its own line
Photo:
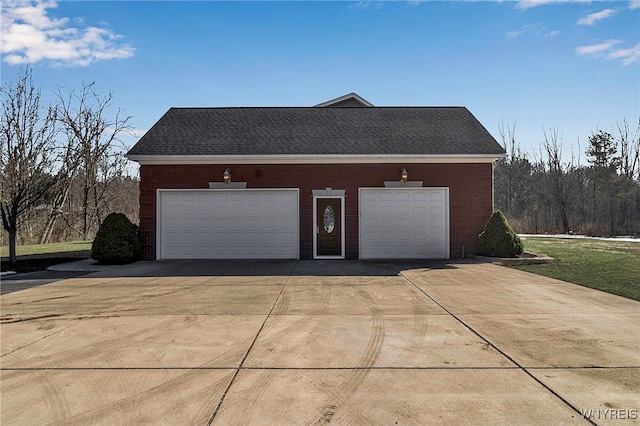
498 238
117 241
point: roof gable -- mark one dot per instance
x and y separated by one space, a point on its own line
349 100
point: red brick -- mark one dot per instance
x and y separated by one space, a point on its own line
470 193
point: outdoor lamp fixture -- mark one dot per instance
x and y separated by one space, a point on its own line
404 175
227 176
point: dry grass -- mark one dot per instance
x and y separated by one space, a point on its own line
611 266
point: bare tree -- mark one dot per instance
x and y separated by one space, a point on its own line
512 176
28 153
557 176
59 193
83 116
629 181
629 143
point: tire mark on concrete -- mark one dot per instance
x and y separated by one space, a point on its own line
48 335
11 320
325 297
114 343
245 403
54 399
255 339
325 413
48 393
120 342
282 306
418 334
110 345
130 402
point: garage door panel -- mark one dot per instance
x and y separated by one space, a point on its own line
204 236
204 251
188 197
188 237
204 223
404 223
212 224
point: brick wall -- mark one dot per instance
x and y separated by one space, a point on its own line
470 193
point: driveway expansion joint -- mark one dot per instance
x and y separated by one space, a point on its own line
240 366
350 342
519 366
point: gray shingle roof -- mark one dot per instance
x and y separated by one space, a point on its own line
317 131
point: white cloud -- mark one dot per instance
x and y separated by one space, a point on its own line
628 56
514 34
606 50
594 49
538 30
366 4
29 35
592 18
528 4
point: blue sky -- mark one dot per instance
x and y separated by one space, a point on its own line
571 66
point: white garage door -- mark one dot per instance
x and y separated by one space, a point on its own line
228 224
404 223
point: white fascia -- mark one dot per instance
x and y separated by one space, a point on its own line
311 159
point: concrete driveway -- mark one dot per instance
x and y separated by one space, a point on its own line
313 342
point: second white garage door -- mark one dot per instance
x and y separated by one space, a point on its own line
228 224
404 223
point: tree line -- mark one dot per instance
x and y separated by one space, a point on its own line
544 193
63 171
63 165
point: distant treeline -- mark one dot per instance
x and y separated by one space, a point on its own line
542 193
51 222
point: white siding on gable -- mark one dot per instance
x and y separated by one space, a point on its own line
404 223
228 224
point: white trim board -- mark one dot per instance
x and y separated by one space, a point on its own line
311 159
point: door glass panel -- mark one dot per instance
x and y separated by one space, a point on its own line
329 222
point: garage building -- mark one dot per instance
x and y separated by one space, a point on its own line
343 179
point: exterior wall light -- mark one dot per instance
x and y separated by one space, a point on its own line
404 175
227 176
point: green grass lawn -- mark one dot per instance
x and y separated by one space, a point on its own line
611 266
47 248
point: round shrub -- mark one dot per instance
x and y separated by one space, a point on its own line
498 238
117 241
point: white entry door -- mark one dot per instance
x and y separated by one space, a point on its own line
228 224
404 223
